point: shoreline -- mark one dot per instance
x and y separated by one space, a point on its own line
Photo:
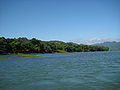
49 53
36 54
27 56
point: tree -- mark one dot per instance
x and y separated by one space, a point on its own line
24 45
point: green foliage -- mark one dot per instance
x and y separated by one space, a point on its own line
24 45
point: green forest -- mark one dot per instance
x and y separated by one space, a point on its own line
24 45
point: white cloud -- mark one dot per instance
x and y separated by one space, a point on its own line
95 40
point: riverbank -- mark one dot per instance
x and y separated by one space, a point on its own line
58 51
26 56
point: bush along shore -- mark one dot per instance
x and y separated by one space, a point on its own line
24 45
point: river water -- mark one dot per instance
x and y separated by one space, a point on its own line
67 71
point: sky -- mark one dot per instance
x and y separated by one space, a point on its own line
79 21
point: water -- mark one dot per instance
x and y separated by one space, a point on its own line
69 71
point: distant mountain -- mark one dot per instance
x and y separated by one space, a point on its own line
112 45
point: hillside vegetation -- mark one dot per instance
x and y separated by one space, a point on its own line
24 45
112 45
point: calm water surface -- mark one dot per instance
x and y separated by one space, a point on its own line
69 71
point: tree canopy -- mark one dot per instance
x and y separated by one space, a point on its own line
24 45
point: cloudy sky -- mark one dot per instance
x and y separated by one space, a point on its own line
80 21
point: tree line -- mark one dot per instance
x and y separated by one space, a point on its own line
24 45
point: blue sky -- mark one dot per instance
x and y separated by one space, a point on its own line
65 20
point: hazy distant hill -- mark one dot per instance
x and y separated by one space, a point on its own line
112 45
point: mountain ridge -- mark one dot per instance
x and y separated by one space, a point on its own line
113 45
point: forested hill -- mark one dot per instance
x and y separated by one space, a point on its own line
24 45
112 45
